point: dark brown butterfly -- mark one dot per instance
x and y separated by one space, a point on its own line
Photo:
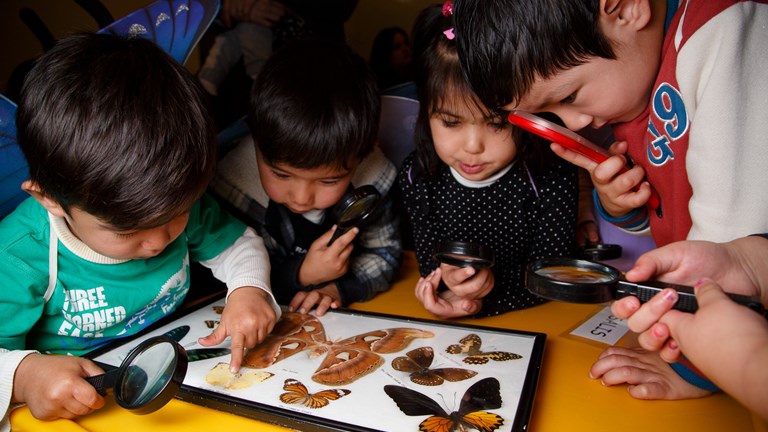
417 363
481 396
297 393
345 360
470 345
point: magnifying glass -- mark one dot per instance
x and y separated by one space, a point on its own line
570 140
599 251
148 378
581 281
464 254
355 208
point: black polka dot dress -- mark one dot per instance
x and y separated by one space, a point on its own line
519 217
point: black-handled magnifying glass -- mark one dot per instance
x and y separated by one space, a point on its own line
148 378
354 209
581 281
599 251
464 254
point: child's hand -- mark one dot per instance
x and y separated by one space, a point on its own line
445 304
648 375
54 386
619 192
248 318
324 298
467 282
325 263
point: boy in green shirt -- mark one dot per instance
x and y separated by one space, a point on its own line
120 149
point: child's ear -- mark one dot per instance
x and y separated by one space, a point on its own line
632 14
50 204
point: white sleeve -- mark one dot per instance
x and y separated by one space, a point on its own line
244 263
721 73
9 361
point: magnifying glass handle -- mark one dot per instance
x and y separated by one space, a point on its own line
686 302
103 382
336 234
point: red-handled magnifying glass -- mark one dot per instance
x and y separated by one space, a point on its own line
570 140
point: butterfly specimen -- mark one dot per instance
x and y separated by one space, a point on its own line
211 323
221 376
297 393
417 363
345 361
177 333
471 344
206 353
481 396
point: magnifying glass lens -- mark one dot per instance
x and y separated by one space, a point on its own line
147 376
354 208
574 274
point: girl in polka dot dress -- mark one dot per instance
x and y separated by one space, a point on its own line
473 177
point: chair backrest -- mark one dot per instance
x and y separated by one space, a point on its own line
175 25
396 128
13 167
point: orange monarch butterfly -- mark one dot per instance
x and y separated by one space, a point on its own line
417 362
297 393
479 397
471 344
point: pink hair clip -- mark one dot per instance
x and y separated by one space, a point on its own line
448 8
448 11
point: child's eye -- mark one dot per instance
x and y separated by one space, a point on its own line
498 125
280 175
329 182
450 123
569 99
125 234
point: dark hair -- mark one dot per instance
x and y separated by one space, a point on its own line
504 45
116 128
315 103
438 77
381 52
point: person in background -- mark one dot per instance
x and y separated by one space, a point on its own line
248 31
392 57
314 119
725 340
475 178
120 149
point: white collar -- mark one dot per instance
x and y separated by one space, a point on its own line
482 183
76 246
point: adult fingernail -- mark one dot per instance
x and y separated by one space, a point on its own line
670 295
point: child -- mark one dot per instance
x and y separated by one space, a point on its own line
120 150
675 96
314 126
473 177
682 85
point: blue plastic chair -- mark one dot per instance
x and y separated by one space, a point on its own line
175 25
13 167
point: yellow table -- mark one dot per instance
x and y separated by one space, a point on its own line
566 398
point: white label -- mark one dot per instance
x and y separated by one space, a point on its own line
603 327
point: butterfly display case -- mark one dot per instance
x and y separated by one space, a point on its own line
359 371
